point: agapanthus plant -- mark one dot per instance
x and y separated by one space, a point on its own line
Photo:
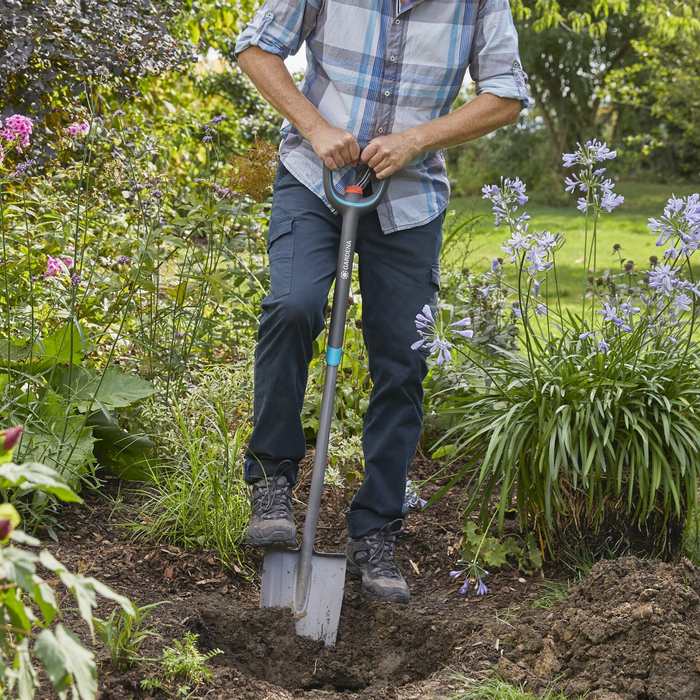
592 427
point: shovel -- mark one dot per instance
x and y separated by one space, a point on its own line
307 581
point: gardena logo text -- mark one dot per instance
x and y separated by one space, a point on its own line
345 272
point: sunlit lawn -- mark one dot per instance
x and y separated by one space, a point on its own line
627 226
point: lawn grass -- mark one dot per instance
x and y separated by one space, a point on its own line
627 226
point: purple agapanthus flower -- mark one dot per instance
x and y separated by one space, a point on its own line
682 302
610 200
536 256
412 498
470 571
459 328
506 199
434 338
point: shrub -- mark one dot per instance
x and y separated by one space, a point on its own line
115 259
592 429
48 50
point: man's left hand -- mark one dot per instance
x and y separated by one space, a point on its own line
387 154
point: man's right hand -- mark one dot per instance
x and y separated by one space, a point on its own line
335 147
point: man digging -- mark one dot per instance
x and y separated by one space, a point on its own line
385 72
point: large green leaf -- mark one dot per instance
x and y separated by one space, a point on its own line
33 475
65 344
49 651
79 661
18 566
26 675
127 456
114 389
84 589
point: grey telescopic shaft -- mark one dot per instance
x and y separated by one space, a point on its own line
348 237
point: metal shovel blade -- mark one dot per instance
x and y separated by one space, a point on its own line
319 616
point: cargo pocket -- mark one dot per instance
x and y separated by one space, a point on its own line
431 296
280 252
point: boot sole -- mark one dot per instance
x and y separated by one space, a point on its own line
269 541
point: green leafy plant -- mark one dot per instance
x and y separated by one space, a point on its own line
29 610
118 258
181 662
550 593
346 460
497 689
197 496
123 633
591 427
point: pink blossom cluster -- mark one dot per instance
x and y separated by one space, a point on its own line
79 128
56 265
17 131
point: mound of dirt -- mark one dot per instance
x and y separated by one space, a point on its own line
629 631
378 644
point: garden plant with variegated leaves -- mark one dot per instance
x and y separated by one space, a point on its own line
32 635
591 427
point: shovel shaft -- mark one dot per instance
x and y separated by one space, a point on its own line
348 237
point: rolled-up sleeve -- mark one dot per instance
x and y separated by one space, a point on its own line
495 61
279 26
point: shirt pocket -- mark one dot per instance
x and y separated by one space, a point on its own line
280 252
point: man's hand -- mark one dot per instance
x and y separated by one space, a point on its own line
387 154
334 146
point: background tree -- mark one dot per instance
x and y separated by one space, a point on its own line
48 48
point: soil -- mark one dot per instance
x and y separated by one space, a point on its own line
595 638
629 631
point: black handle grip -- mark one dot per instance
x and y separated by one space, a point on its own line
365 205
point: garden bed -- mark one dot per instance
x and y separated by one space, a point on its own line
384 651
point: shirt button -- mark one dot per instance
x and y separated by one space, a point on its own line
392 58
397 21
269 14
386 93
380 130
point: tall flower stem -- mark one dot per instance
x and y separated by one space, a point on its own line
585 260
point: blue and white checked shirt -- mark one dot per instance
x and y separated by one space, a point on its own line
379 67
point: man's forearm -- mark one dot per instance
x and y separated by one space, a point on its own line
272 79
481 116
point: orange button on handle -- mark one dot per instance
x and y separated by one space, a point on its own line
353 188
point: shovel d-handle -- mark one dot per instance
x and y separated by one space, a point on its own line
352 206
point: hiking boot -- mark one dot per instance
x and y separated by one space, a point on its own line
271 521
371 558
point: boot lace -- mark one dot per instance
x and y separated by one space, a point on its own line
382 547
271 499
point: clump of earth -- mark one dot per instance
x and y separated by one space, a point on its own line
629 631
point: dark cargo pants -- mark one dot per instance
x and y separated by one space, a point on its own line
399 274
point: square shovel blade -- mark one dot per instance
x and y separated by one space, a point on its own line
320 616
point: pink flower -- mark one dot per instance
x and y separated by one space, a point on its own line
53 266
79 128
11 437
17 130
68 262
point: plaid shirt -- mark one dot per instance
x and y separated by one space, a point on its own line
378 67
